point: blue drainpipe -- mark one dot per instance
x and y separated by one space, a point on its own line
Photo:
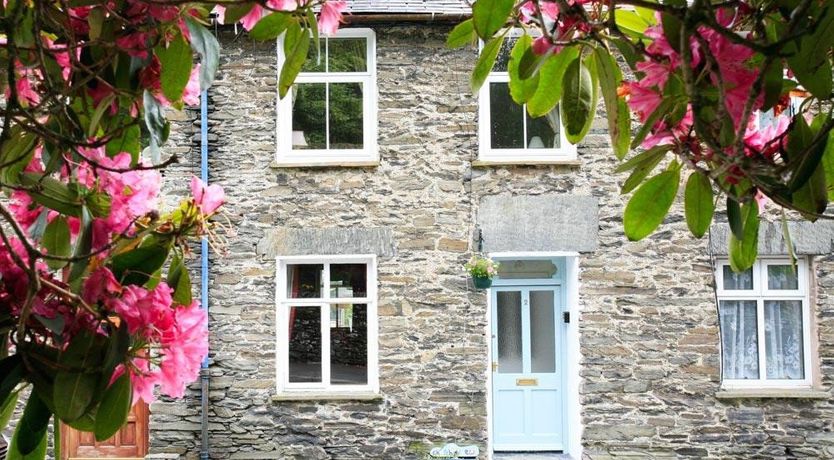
204 270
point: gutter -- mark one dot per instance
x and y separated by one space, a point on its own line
204 271
373 18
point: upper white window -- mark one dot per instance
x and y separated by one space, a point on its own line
329 116
507 133
327 324
765 324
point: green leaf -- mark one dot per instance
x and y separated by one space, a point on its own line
619 121
87 422
652 158
828 165
117 346
803 159
235 12
551 77
650 204
296 45
114 408
53 194
672 30
488 16
11 373
206 45
270 27
83 246
734 218
15 154
743 250
136 266
176 62
95 19
128 142
809 57
179 279
75 386
530 63
631 23
7 408
661 111
774 75
155 122
643 157
29 441
579 100
485 63
812 198
698 203
56 241
521 90
463 34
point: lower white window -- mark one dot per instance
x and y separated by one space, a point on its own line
765 325
327 324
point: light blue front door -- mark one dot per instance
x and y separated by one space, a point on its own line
527 356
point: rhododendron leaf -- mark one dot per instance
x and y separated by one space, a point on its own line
774 76
234 12
53 194
631 23
205 44
661 111
56 241
95 119
489 16
643 157
619 123
7 407
828 165
128 142
530 63
485 62
137 265
37 229
521 90
15 154
808 57
30 433
52 158
628 51
649 160
83 246
650 204
75 386
176 62
95 19
155 122
179 279
117 346
271 26
114 408
87 422
296 45
672 30
743 251
734 218
313 27
579 100
803 155
812 198
99 204
11 373
551 77
463 34
698 203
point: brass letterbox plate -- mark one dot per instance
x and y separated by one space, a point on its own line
527 382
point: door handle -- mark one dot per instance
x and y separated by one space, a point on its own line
527 382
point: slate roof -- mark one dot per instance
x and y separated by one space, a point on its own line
409 6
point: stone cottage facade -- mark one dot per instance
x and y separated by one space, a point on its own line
587 343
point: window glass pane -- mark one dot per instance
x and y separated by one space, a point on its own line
782 277
315 61
526 269
783 339
542 331
308 115
304 281
506 118
739 340
347 55
737 281
346 116
504 55
542 131
509 332
305 344
348 280
349 344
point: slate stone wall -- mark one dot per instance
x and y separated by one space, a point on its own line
649 336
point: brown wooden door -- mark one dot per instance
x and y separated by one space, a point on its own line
130 442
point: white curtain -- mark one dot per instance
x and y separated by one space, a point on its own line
783 339
739 339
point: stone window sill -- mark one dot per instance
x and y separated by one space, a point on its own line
324 164
331 396
520 162
773 393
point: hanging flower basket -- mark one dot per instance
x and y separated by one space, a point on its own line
482 270
481 282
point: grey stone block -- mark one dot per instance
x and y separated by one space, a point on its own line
809 238
311 241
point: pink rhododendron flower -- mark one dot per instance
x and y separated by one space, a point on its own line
208 198
191 96
252 17
331 16
183 342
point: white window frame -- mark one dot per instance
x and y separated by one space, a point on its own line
369 153
566 151
283 302
760 293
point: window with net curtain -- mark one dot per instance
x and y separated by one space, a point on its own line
507 131
764 317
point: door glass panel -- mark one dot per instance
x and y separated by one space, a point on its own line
349 344
739 339
509 332
783 339
305 344
542 331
